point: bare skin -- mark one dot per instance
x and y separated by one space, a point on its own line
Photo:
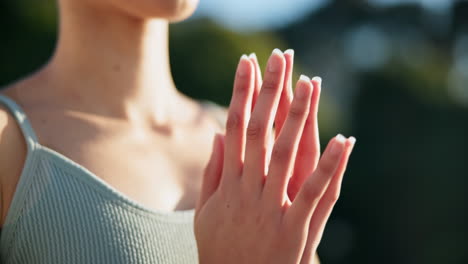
254 206
106 100
102 95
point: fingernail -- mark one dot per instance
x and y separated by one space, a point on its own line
352 140
273 63
290 52
277 51
304 78
340 138
253 56
243 66
337 146
317 79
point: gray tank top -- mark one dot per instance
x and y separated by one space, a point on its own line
63 213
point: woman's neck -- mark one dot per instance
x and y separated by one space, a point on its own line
108 58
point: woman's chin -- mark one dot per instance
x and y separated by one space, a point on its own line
183 10
172 10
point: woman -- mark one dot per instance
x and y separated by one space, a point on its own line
101 159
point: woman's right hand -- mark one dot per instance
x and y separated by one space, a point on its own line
244 214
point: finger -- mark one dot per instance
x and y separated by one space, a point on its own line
285 148
238 116
258 78
313 138
284 103
325 206
213 172
314 187
261 122
308 153
286 94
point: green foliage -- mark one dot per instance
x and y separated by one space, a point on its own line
40 16
27 38
204 57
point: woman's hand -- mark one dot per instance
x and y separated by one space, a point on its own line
244 214
308 152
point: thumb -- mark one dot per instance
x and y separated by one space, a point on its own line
213 170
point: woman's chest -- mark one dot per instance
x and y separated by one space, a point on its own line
158 175
160 171
160 168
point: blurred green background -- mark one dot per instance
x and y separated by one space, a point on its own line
395 76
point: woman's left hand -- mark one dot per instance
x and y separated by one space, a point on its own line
308 153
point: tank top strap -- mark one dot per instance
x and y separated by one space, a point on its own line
22 120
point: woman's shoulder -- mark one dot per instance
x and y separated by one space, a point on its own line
13 148
11 136
12 155
12 142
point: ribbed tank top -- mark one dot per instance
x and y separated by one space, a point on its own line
63 213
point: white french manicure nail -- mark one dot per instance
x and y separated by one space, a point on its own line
337 146
243 67
304 78
340 138
273 64
290 52
277 51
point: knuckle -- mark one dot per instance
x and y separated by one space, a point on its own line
311 192
326 168
280 153
233 122
296 112
269 86
242 86
254 129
